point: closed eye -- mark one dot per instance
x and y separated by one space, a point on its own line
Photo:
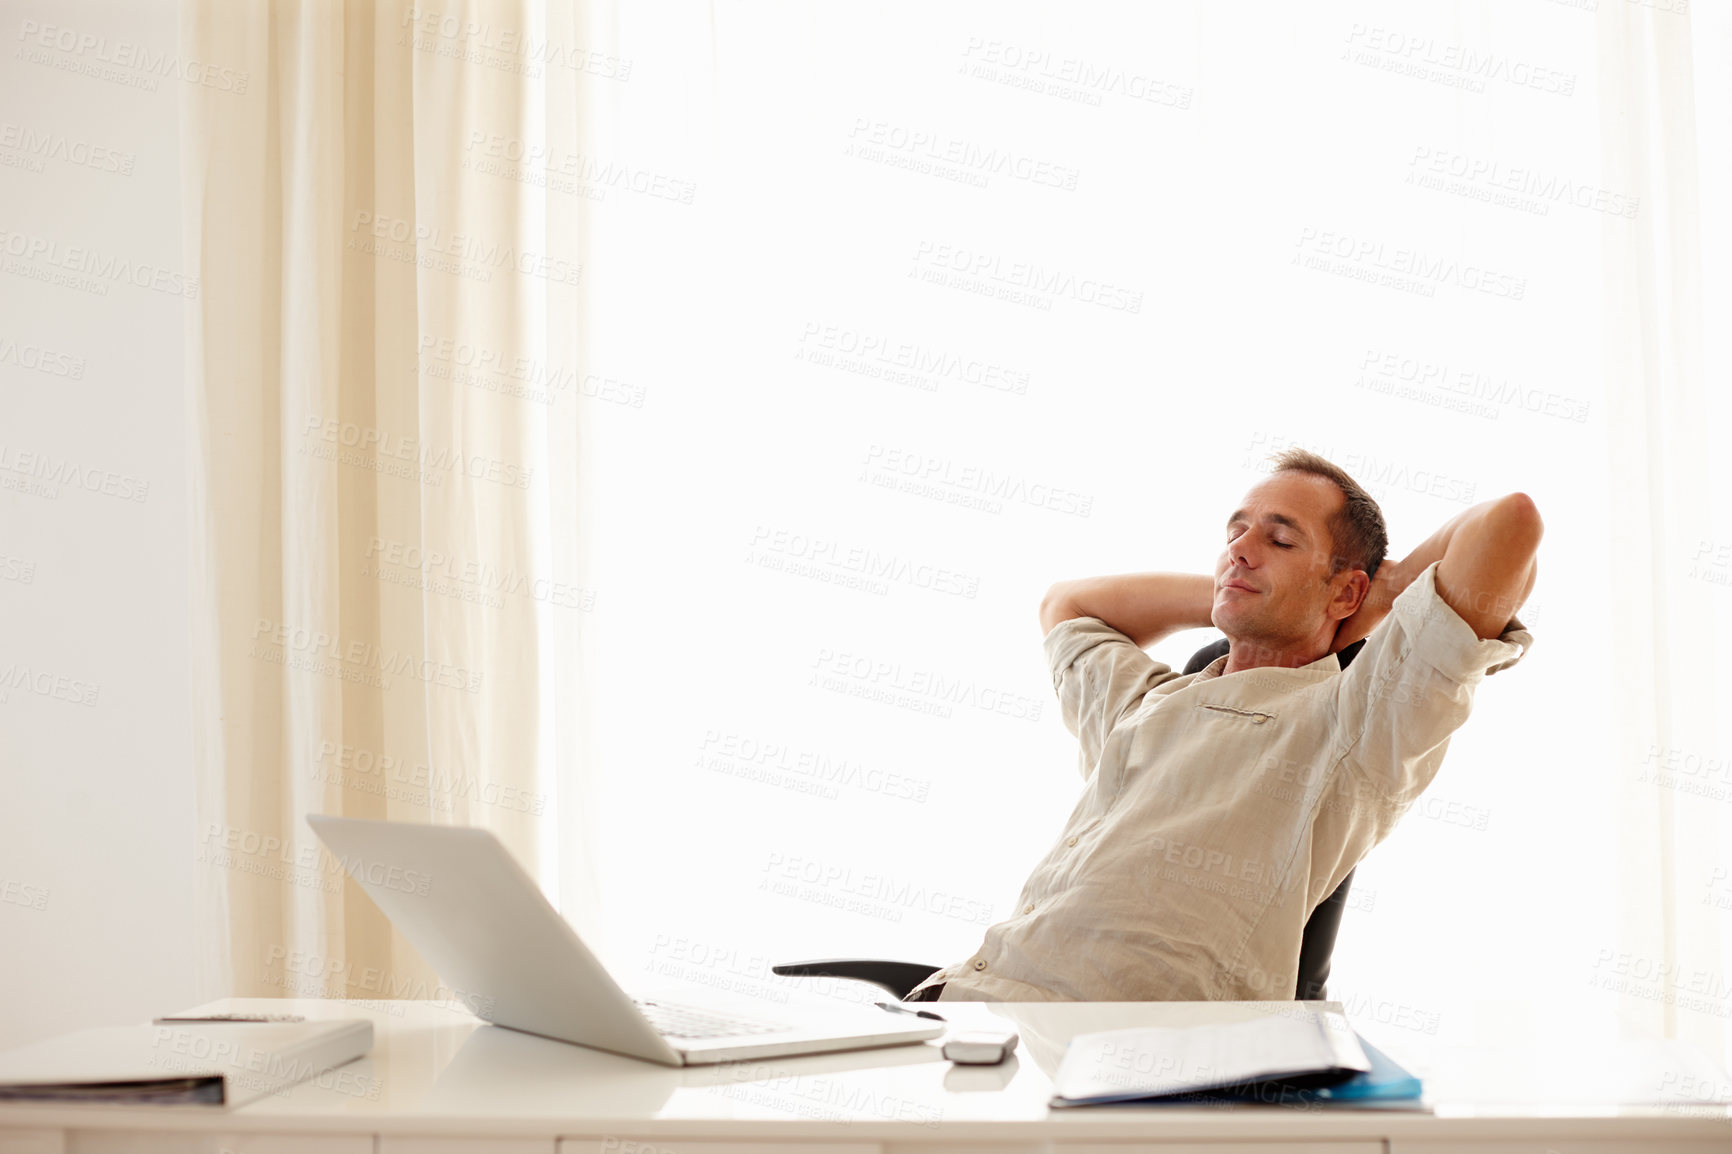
1231 536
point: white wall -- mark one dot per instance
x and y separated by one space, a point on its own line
96 815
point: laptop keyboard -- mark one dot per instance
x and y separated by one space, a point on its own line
677 1021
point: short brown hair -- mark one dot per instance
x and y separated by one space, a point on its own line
1360 537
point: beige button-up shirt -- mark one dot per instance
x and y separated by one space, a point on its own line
1218 811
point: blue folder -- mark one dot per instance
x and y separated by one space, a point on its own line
1387 1080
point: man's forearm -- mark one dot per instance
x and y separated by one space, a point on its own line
1145 607
1394 576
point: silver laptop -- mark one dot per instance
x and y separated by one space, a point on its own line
463 902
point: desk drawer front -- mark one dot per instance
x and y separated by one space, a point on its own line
624 1145
418 1144
206 1142
1369 1146
32 1142
1570 1146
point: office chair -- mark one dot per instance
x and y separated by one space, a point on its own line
1315 947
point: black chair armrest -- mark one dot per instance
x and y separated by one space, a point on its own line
899 978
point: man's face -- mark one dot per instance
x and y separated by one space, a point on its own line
1278 543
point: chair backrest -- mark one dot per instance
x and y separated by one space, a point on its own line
1321 928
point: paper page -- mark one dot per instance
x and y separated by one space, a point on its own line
1151 1061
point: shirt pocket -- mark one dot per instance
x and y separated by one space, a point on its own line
1252 716
1239 741
1262 762
1223 752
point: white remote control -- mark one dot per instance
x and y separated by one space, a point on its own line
980 1047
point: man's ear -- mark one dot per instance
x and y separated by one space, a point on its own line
1355 584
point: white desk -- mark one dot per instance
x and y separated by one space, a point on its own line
440 1082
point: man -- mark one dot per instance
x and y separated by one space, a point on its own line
1220 808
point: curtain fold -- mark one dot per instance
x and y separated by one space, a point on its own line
1662 466
380 571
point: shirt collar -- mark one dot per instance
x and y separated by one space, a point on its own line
1328 663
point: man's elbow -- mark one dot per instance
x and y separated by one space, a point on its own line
1055 607
1518 521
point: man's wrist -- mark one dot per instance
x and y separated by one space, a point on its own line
1203 616
1392 577
1146 607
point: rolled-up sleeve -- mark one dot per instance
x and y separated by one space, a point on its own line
1412 686
1100 676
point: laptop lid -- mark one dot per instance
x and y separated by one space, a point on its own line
463 901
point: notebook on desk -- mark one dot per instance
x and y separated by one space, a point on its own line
204 1063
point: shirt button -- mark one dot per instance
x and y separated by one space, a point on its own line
1072 841
980 963
1028 909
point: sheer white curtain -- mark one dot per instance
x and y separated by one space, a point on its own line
1665 136
385 388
